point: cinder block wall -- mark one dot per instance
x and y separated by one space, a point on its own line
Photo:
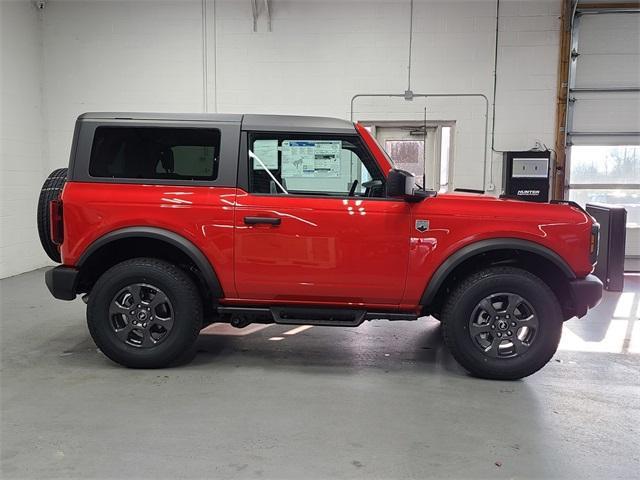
22 149
150 56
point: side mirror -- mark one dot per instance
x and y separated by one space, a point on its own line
402 184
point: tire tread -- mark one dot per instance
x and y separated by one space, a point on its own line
483 370
189 293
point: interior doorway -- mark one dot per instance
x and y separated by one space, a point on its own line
424 150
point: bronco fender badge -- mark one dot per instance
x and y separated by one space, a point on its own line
422 225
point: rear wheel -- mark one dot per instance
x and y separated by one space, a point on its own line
144 313
51 190
502 323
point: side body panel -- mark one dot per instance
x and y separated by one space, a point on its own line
457 220
203 215
330 250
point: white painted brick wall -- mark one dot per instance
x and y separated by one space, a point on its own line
118 56
147 56
21 141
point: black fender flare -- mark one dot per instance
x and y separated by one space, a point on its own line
184 245
484 246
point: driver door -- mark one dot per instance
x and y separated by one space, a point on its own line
312 224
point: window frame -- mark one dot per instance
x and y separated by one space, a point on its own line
155 134
244 162
229 132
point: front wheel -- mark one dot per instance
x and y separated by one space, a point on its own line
502 323
144 313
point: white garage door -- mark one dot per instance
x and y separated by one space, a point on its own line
604 116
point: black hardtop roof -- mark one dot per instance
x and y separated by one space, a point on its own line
255 122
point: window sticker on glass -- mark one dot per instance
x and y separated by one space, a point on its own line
267 151
311 158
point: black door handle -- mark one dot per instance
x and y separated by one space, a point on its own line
262 220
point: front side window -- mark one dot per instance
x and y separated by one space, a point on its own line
160 153
312 165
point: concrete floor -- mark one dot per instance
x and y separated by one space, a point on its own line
385 400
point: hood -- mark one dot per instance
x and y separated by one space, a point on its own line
479 205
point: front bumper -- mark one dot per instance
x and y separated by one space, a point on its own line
62 282
586 293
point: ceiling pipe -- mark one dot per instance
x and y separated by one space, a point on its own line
254 12
268 12
408 94
205 60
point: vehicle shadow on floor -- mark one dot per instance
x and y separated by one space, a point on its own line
333 348
385 347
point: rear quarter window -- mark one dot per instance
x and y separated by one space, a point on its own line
162 153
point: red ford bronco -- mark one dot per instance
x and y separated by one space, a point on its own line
167 223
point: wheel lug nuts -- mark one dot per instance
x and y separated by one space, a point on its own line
513 324
508 316
509 333
493 327
499 334
497 317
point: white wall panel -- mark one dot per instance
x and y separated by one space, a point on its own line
118 56
21 141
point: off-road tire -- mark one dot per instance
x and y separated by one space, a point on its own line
51 190
178 287
460 305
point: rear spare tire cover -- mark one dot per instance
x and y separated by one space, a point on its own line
51 190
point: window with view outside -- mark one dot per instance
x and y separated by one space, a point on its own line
607 174
407 155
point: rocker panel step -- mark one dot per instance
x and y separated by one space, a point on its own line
242 316
318 316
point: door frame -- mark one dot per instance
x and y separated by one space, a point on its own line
437 124
305 205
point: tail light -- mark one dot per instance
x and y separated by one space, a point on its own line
594 243
55 221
